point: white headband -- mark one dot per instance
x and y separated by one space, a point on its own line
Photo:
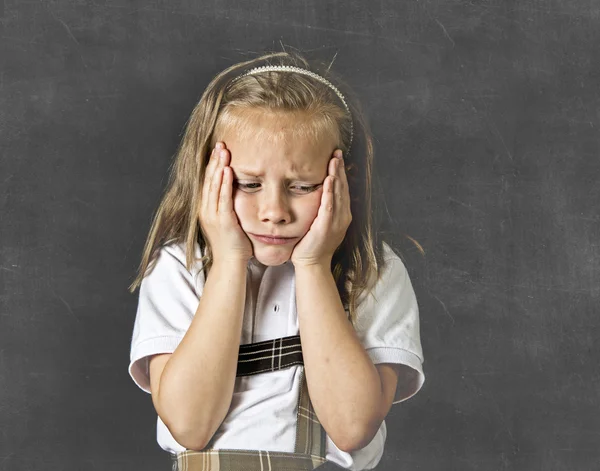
289 68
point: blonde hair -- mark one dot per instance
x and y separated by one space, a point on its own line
358 262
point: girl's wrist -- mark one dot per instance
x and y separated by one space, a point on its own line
317 265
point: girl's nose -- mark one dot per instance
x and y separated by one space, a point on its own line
274 207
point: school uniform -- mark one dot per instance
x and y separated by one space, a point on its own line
270 407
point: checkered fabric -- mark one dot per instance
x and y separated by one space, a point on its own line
310 449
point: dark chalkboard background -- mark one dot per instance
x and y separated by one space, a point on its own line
486 120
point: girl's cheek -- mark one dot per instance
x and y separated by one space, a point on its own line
316 202
244 209
237 202
313 210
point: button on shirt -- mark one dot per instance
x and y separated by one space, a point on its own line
262 415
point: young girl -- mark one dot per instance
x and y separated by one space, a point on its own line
274 329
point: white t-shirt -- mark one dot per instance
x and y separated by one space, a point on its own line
262 415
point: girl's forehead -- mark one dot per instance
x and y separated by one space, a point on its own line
255 156
275 146
276 126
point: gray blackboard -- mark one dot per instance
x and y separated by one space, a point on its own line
486 122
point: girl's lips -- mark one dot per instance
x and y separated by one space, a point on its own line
273 240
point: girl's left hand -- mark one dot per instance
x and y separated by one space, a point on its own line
329 228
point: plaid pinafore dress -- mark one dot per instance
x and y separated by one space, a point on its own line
310 448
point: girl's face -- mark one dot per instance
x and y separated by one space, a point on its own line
277 180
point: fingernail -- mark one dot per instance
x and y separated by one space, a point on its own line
338 154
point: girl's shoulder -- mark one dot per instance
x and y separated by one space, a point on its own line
393 274
389 253
392 261
387 277
177 250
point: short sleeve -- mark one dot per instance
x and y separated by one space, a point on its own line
168 298
387 323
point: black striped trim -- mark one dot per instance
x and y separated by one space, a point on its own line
269 355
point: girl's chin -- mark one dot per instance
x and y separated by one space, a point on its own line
273 256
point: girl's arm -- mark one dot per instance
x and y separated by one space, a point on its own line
192 388
348 394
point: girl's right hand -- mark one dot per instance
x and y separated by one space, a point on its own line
217 217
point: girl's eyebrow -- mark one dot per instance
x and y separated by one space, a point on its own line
250 173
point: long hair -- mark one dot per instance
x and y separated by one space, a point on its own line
358 262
